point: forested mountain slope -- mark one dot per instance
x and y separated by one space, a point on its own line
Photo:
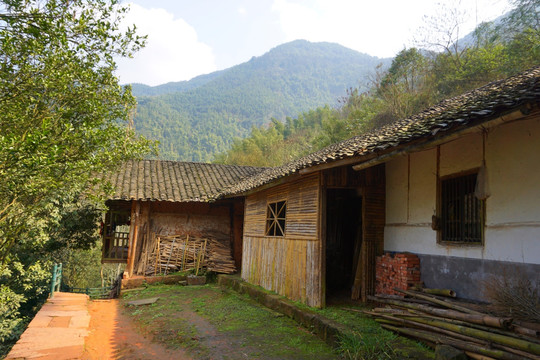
196 119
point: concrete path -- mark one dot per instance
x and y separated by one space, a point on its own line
57 331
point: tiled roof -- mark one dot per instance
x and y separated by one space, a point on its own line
175 181
467 110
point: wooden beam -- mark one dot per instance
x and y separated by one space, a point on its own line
337 163
321 232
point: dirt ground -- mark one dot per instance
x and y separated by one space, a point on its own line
113 336
200 323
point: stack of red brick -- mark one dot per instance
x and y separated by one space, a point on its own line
400 271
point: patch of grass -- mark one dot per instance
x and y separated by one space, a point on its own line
245 325
280 336
365 346
370 338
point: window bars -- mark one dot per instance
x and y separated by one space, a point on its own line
461 211
275 218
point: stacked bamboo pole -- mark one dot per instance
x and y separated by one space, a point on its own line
440 321
164 254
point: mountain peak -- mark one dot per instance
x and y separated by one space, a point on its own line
198 118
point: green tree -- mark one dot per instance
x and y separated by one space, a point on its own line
405 86
363 111
64 119
64 114
521 30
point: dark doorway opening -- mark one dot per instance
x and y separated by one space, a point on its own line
343 241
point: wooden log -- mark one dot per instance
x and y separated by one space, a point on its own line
463 345
519 344
525 331
439 302
434 329
442 292
476 356
157 256
184 256
476 326
399 298
397 321
524 354
452 314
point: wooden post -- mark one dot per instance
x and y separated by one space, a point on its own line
322 241
134 233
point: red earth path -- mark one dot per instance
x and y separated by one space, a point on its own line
112 335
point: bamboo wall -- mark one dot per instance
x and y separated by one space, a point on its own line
289 265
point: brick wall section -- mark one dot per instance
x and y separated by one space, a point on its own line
401 270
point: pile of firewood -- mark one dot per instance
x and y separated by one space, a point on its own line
437 320
219 258
166 254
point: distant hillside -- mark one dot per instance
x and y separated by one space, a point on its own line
196 119
172 87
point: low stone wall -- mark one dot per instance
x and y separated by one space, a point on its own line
401 271
138 281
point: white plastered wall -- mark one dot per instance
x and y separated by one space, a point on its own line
512 231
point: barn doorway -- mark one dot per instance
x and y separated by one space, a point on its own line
343 241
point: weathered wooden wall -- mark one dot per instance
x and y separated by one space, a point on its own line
289 265
168 218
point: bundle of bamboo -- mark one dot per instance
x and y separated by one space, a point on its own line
169 253
435 320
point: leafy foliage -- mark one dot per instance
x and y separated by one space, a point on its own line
64 118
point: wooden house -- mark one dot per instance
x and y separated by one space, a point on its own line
314 227
171 198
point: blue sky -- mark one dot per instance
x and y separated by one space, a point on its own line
187 38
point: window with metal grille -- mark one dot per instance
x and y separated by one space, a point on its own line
275 218
461 212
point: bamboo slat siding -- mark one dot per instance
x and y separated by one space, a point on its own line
343 176
289 265
374 200
302 209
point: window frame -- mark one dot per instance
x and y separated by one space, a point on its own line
275 226
440 220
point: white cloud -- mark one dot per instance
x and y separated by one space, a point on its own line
380 28
242 11
172 53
